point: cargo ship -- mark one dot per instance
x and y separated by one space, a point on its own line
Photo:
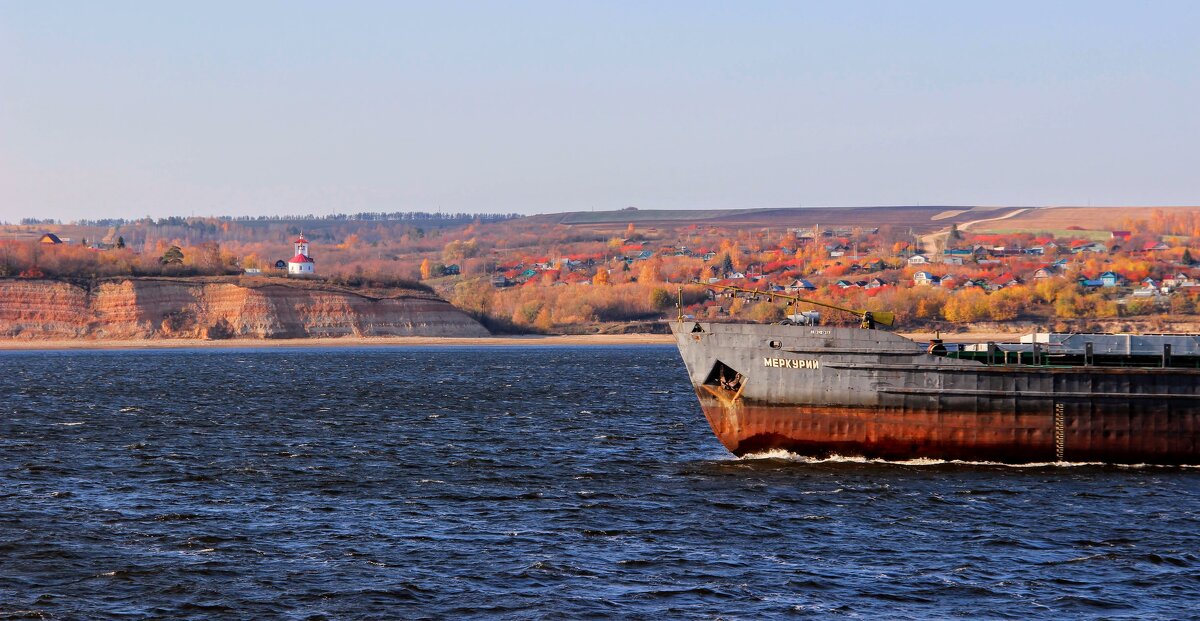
819 391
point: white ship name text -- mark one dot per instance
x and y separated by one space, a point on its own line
788 363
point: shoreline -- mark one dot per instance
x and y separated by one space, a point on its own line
402 341
347 341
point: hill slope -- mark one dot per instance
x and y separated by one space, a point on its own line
920 218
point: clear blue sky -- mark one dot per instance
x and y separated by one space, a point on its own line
158 108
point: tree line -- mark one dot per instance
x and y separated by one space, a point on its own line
364 216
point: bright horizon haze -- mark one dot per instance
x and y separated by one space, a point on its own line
124 109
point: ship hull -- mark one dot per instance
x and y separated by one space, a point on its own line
820 392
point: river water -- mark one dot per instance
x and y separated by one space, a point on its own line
524 483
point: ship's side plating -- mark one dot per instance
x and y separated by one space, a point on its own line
819 390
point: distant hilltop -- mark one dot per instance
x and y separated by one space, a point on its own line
922 218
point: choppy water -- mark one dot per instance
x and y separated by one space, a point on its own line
519 483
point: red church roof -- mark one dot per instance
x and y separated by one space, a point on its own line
300 240
300 259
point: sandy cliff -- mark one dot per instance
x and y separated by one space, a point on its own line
181 308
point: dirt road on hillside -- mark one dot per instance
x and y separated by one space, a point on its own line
929 243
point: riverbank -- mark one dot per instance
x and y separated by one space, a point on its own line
497 341
394 341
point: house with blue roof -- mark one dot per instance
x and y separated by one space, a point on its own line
1112 279
800 284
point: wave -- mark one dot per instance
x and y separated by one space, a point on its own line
781 454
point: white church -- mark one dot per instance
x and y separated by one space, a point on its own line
301 264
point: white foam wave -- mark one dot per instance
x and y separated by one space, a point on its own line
925 461
69 424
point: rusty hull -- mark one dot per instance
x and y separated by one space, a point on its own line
819 392
968 436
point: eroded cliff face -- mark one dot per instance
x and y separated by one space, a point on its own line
166 308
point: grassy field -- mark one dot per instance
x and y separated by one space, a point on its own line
1059 233
1097 218
922 218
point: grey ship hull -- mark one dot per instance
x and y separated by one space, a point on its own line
825 390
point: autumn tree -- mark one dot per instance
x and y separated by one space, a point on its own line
473 295
1008 303
1072 305
426 269
660 298
209 258
1066 304
458 251
966 306
1048 289
651 271
766 312
601 277
1143 306
544 321
172 256
925 309
526 312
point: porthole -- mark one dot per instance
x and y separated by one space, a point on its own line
775 344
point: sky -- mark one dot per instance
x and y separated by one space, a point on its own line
129 109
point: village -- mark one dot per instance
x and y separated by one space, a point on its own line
973 277
522 274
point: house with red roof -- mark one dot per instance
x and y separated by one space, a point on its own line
1007 279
